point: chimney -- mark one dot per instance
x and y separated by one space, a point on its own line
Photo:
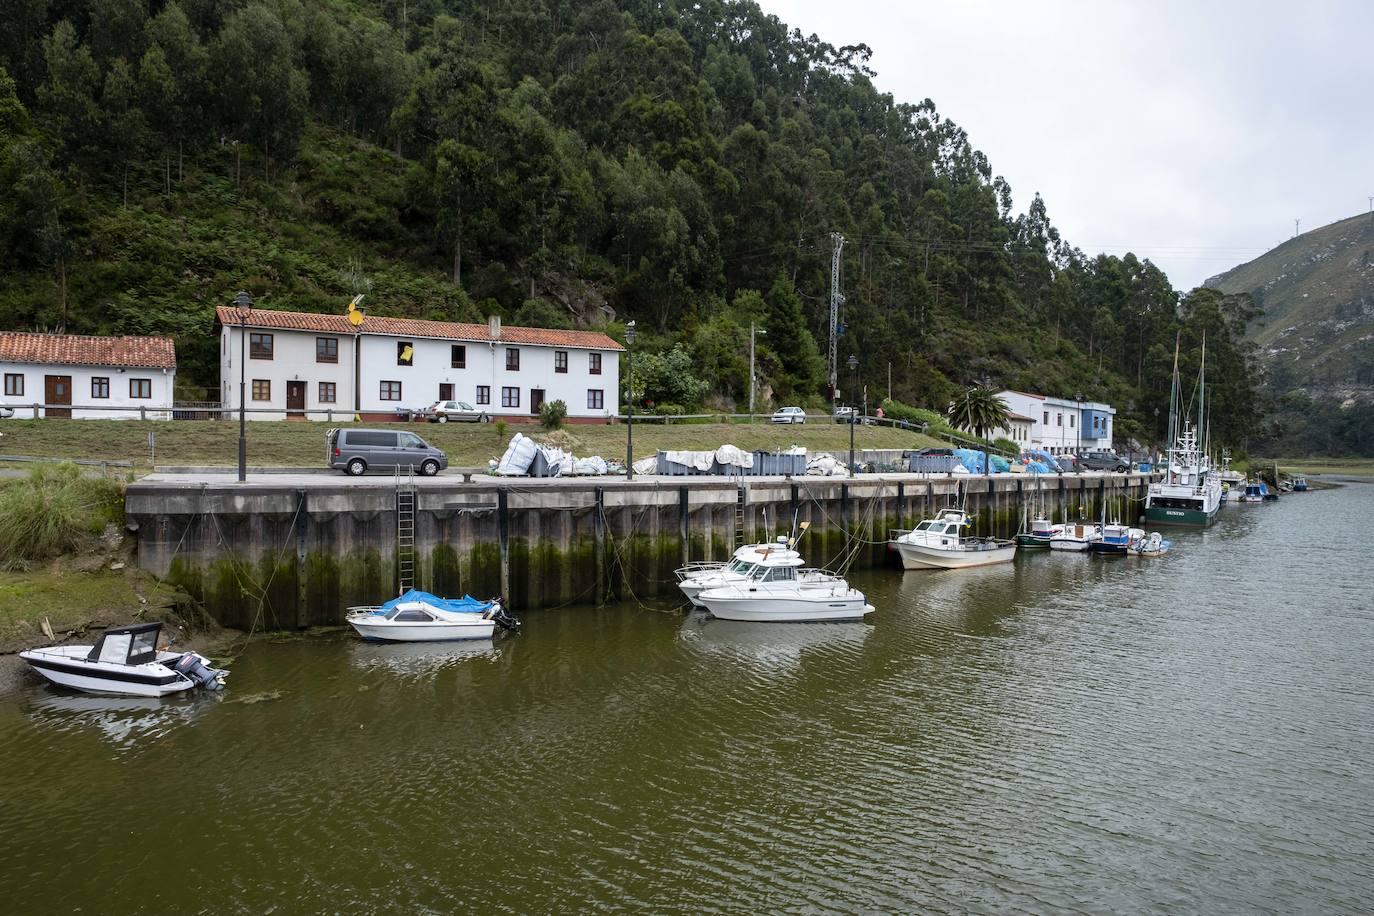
494 327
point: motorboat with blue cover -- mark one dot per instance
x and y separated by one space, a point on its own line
419 616
125 661
1116 540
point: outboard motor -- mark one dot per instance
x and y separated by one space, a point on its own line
193 666
503 619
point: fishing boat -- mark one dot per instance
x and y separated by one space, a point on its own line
1151 545
779 595
939 543
1299 484
696 578
1256 491
1039 535
1076 537
419 616
1190 493
125 661
1116 540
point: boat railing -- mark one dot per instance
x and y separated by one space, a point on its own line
696 569
362 609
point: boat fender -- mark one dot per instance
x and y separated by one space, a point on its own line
193 666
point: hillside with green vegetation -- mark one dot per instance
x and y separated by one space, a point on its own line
1314 330
558 163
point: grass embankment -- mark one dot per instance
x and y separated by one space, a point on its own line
302 444
64 559
1355 467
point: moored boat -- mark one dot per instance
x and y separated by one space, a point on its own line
939 543
1152 544
778 594
1039 535
1076 537
698 577
125 661
1299 484
1116 540
419 616
1190 493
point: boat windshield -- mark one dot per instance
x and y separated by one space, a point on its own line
743 567
409 615
924 526
779 574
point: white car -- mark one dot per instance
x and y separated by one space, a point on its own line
455 411
789 415
6 412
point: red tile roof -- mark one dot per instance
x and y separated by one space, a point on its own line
1027 394
416 327
80 350
1017 416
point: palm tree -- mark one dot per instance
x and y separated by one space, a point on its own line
979 409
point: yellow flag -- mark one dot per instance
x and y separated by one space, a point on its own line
407 354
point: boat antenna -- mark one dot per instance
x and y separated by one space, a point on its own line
793 543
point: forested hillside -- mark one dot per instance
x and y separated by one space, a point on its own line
567 162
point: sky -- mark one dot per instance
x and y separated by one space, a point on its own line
1192 132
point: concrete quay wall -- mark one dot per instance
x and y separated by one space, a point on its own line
296 552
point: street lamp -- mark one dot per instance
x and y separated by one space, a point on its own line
629 401
1078 430
853 363
243 307
752 332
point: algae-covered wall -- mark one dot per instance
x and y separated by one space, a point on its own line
285 557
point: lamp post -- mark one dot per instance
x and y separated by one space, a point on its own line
1078 430
629 401
243 307
752 332
853 364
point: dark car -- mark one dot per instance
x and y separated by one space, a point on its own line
1103 461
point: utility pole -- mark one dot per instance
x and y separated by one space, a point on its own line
837 245
752 332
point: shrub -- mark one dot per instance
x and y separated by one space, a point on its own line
53 510
552 414
1008 446
500 429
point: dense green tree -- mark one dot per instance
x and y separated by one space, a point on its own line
979 410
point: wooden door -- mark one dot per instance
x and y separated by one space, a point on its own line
295 399
536 400
57 389
445 391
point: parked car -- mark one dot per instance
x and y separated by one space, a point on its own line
789 415
6 412
357 451
456 411
1103 461
851 415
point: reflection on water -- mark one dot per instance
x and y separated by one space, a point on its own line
771 645
124 721
418 659
1065 733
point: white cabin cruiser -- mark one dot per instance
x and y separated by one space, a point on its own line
1077 537
125 661
939 543
419 616
698 577
781 594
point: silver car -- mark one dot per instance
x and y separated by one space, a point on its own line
357 451
457 411
789 415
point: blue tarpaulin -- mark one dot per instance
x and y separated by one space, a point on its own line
464 605
1044 458
970 459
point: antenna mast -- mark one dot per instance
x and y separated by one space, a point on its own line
837 245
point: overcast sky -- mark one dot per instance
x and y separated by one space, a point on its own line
1193 132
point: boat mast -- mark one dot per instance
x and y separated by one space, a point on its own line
1174 398
1203 433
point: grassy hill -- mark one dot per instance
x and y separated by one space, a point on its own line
1316 294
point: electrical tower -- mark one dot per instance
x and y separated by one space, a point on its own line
836 300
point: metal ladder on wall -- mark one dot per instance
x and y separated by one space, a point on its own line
741 498
405 530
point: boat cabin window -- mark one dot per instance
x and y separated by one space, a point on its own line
143 648
410 614
924 526
780 574
114 647
951 529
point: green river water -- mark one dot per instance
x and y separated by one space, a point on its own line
1066 734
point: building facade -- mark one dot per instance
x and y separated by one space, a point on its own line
1063 426
319 366
89 378
1018 430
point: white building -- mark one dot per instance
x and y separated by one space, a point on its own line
300 361
1063 426
89 378
1018 430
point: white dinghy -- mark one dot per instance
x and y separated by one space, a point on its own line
126 662
419 616
939 543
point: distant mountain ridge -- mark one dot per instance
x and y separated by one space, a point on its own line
1316 295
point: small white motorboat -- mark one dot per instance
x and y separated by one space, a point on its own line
780 594
1116 540
939 543
696 578
1076 537
419 616
126 662
1151 545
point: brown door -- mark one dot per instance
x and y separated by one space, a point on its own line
536 400
445 391
57 389
295 399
